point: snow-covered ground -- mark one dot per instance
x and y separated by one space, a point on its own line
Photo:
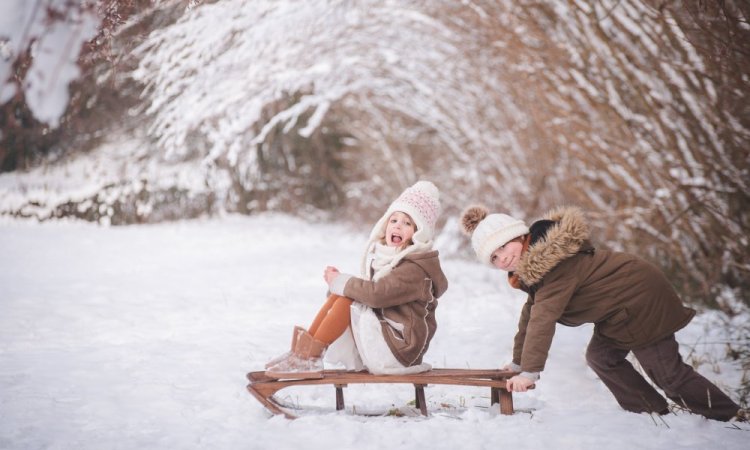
140 337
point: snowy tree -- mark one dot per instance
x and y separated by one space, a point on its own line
402 91
634 109
660 95
57 60
52 32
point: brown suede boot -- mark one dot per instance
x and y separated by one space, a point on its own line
306 360
278 359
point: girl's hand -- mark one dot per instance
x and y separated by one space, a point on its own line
518 384
330 274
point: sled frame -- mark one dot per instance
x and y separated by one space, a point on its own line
263 387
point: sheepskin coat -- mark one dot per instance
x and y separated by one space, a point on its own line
569 281
404 301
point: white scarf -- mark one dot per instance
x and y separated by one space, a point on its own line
382 258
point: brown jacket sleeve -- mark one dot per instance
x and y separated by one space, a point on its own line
550 302
521 333
400 286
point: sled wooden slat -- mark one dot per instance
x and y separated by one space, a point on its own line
263 387
419 400
339 396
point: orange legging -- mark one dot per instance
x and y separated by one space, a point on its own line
332 319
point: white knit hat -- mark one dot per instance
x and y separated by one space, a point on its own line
422 203
490 231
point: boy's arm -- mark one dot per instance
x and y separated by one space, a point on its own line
550 302
523 321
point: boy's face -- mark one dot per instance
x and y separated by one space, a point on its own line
507 257
399 229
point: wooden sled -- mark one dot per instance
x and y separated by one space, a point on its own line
263 387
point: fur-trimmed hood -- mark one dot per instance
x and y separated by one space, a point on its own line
563 240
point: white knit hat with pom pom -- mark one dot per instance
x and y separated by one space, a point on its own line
490 231
421 202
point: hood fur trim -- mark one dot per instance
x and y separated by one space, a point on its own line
563 240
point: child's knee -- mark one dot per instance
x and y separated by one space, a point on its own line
602 356
594 358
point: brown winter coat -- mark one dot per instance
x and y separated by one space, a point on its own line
630 301
407 298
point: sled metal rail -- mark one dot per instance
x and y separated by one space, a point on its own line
263 387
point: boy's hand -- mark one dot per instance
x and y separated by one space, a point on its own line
518 384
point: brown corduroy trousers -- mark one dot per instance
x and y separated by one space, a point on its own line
664 365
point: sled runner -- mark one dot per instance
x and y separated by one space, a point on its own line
263 387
